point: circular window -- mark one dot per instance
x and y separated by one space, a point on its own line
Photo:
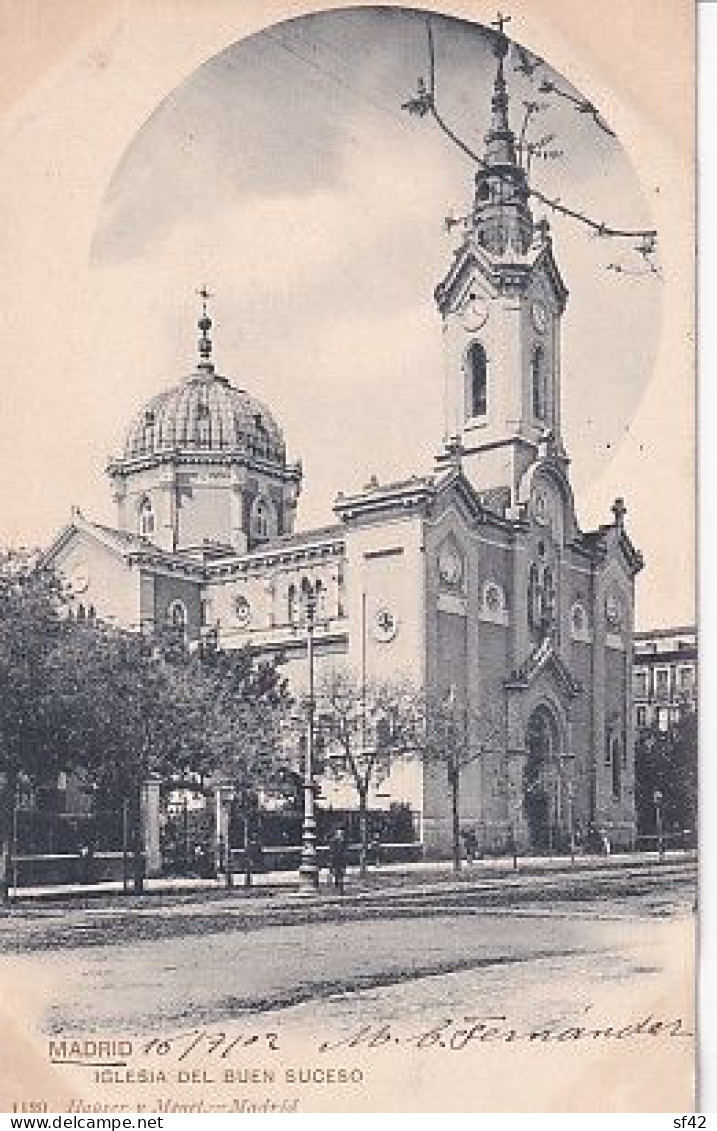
242 609
385 624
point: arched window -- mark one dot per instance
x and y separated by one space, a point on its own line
320 599
534 597
477 366
145 517
537 370
548 609
177 616
614 760
149 423
263 518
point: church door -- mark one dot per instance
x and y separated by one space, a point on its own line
539 778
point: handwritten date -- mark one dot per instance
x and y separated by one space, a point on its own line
206 1043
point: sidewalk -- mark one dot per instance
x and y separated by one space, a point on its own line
388 875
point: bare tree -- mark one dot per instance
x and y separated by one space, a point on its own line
453 735
360 729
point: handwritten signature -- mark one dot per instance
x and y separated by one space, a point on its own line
456 1033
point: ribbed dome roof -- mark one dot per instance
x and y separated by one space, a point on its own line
205 413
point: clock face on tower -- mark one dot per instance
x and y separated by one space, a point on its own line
475 313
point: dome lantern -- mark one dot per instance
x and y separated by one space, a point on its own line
205 342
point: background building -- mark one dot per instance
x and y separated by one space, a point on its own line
665 674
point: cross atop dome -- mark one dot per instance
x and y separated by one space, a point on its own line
205 342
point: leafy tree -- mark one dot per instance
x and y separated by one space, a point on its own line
667 761
35 728
146 706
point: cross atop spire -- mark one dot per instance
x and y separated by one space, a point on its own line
619 511
499 22
205 342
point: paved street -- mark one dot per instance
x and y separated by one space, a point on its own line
379 985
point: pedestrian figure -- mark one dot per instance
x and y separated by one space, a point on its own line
337 858
376 848
471 845
86 863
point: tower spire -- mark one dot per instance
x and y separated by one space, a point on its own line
501 219
205 342
500 140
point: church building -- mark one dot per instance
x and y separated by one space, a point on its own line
474 579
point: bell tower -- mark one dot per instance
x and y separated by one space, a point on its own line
501 304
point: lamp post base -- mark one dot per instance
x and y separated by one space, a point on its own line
308 879
309 867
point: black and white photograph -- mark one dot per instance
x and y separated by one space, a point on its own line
348 636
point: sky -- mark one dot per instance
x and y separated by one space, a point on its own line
281 173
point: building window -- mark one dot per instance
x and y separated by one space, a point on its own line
663 719
320 600
640 684
149 423
641 718
662 682
177 616
613 759
146 517
291 602
478 380
537 371
549 598
686 678
542 599
263 518
579 620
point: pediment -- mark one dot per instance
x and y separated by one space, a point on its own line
544 660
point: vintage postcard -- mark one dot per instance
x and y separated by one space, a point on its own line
348 654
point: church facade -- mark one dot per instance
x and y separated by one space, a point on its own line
474 580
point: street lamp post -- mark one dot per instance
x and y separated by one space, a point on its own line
657 798
309 869
571 820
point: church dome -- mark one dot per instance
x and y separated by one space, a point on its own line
205 413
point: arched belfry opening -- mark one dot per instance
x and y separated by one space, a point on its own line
477 380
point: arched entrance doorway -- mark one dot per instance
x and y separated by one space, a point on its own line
541 779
